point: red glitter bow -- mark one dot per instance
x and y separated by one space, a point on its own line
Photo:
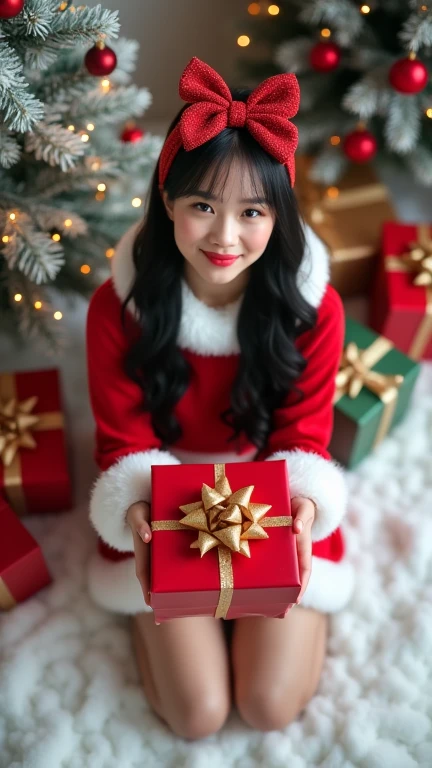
265 115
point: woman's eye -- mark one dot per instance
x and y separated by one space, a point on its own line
248 210
253 210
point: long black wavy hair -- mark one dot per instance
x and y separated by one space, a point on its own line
273 311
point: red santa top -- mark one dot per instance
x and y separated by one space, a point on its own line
127 446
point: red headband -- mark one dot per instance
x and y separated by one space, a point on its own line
265 115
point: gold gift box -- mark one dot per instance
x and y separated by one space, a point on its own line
348 217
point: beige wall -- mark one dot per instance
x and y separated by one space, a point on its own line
170 32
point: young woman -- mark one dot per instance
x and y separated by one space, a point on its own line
217 339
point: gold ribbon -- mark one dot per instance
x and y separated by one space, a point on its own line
17 423
418 261
225 520
354 374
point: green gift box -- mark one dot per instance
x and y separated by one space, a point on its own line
373 391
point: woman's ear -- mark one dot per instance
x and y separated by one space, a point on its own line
169 204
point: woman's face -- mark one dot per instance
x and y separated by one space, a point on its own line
236 225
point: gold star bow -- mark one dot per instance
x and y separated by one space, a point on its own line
16 421
224 518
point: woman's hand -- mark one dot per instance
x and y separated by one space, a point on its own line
303 512
137 517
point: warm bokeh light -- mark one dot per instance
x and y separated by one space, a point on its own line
332 192
100 195
101 187
68 222
136 202
243 41
254 9
429 112
12 216
365 9
90 127
335 140
105 84
38 305
326 32
273 10
56 237
85 269
85 137
5 238
18 297
71 127
63 6
109 253
58 315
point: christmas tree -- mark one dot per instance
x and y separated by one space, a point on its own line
365 73
73 165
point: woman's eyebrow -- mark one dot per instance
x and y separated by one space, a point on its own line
208 196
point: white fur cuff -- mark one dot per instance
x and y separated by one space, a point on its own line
322 481
127 481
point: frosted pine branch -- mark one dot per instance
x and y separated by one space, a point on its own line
416 32
48 218
402 126
127 55
342 15
54 145
370 95
10 150
293 55
33 252
420 163
116 105
20 109
328 165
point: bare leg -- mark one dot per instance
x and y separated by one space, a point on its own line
277 665
184 668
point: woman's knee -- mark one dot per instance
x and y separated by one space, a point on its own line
201 716
271 710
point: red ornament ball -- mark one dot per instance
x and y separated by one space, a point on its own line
324 57
360 146
408 75
100 61
132 133
10 8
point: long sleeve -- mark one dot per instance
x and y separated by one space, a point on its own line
126 445
303 428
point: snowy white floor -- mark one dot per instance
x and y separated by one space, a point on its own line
70 696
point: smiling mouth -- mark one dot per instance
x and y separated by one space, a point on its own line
221 256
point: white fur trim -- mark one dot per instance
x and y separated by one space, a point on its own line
330 586
212 330
127 481
115 586
321 480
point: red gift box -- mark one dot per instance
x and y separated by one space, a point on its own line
34 475
401 306
222 582
23 570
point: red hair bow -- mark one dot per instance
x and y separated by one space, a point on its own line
265 115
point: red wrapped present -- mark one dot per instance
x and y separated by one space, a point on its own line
34 473
243 532
23 570
401 307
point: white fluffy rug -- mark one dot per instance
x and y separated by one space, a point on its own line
70 696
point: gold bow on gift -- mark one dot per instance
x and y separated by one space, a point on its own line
225 520
16 420
355 373
17 423
418 260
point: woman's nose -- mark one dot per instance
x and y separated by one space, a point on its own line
225 232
